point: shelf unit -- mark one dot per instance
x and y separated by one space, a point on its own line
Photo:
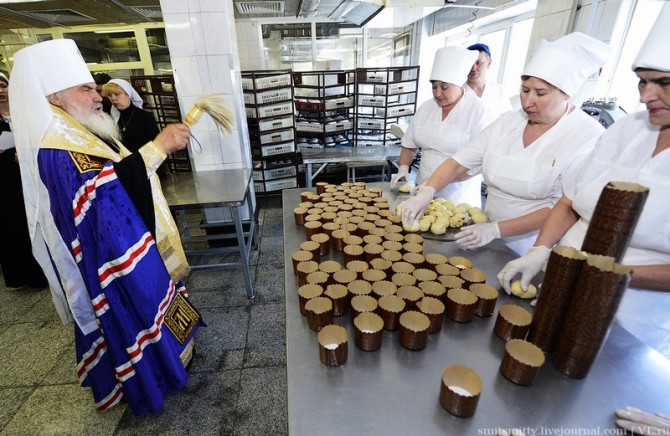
324 102
268 100
160 98
384 96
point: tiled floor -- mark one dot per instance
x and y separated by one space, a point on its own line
237 383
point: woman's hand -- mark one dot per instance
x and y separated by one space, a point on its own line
413 208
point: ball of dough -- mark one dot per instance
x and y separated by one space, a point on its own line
516 290
430 218
398 209
424 224
412 228
438 228
405 188
478 218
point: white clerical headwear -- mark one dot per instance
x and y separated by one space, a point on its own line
452 64
58 65
568 61
39 71
654 53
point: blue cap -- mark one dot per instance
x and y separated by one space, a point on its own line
480 47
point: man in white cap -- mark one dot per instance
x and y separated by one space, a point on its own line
523 154
634 149
441 126
101 231
490 92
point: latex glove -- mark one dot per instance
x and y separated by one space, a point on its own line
403 173
413 208
477 235
643 423
528 266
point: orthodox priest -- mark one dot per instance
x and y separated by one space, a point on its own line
102 231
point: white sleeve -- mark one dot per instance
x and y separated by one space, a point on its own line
471 155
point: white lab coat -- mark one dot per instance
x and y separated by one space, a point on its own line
522 180
494 99
439 139
623 153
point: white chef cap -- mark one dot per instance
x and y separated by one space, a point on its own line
654 53
4 78
452 64
568 61
41 70
135 98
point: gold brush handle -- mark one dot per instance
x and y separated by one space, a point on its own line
193 116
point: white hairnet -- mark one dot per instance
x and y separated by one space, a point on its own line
568 61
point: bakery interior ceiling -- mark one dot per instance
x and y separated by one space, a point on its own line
17 14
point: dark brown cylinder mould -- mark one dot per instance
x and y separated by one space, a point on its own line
614 219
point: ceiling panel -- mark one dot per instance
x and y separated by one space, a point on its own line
53 13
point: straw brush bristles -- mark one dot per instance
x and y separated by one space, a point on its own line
214 106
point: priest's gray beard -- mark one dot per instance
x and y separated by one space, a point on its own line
100 123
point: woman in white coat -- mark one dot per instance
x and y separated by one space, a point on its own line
635 149
446 123
524 154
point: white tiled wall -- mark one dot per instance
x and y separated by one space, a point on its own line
250 41
204 53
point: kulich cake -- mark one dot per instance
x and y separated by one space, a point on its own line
304 269
434 310
300 256
461 305
353 252
411 295
373 275
512 322
424 275
433 289
403 267
368 328
324 243
413 330
522 362
306 293
299 214
487 297
445 269
319 312
340 297
460 262
333 345
460 390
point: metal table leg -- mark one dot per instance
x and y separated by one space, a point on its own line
243 248
308 175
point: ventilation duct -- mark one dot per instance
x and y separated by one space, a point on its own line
260 7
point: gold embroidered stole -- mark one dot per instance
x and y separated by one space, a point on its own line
89 153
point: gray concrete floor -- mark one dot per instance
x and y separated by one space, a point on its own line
237 382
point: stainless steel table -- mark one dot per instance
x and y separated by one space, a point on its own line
226 189
325 156
395 391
